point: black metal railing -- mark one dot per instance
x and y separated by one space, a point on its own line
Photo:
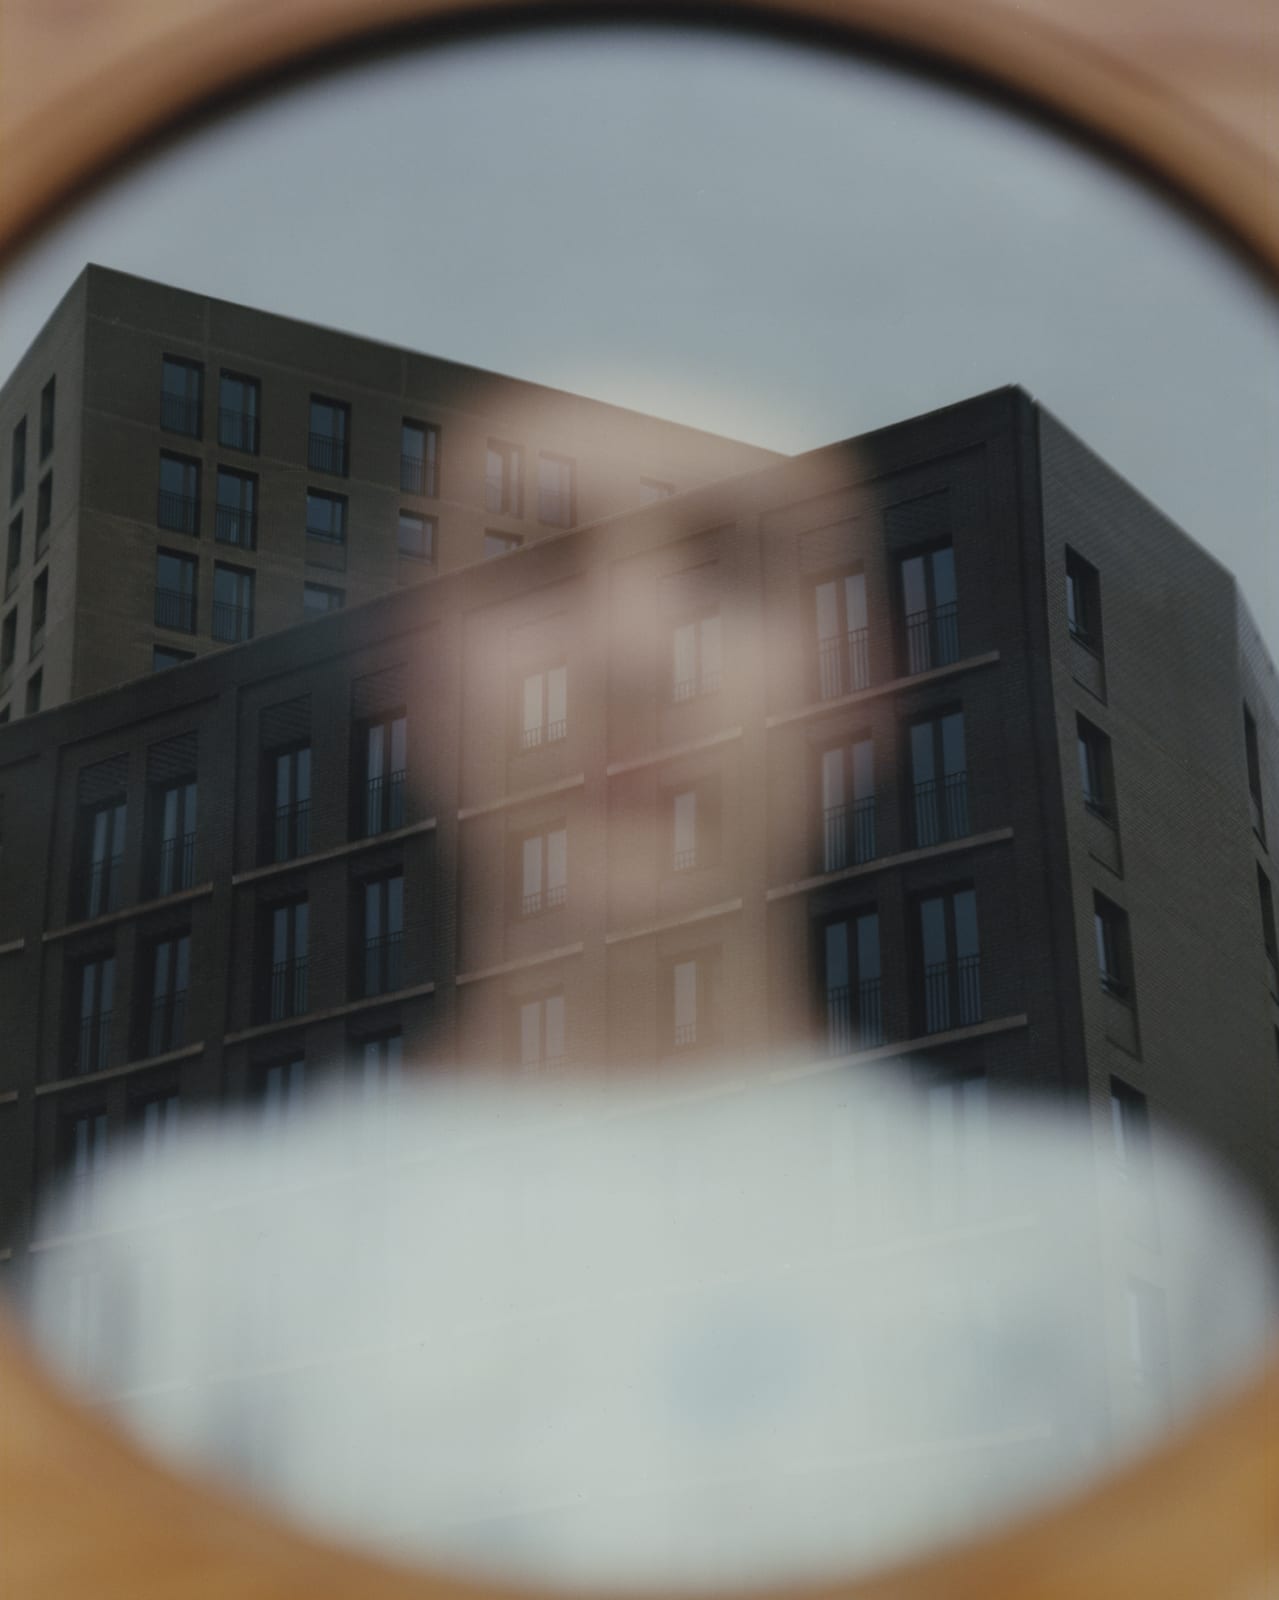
932 638
180 513
102 885
413 476
93 1047
952 994
167 1030
530 738
706 682
235 525
174 609
231 623
326 453
292 836
180 415
685 1033
384 803
843 664
238 430
941 810
854 1017
383 964
849 833
557 729
686 860
175 864
556 895
287 996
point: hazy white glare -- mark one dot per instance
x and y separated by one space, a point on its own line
693 1332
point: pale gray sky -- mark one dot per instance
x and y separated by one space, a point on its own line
737 235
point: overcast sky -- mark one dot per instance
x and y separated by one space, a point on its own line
736 235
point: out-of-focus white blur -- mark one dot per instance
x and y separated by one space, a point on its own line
693 1332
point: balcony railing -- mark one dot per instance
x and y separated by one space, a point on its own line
93 1047
932 638
327 454
413 475
854 1017
384 803
686 860
941 810
238 430
235 525
685 1034
706 682
178 512
292 835
175 609
180 415
952 994
102 886
849 833
167 1030
287 996
843 664
383 964
231 623
175 865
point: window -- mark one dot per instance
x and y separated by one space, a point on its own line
96 1004
163 657
279 1091
381 962
697 659
385 767
232 604
102 856
1266 896
18 461
555 475
235 519
173 836
39 611
175 597
1130 1122
653 489
930 613
178 501
326 516
154 1119
950 960
543 867
288 786
849 831
939 778
1148 1336
239 402
82 1154
287 933
1253 755
1114 963
13 555
853 998
1083 602
419 458
9 639
500 544
181 396
44 508
1096 777
695 817
416 536
539 1031
318 599
380 1062
843 650
327 448
544 707
693 992
165 1024
47 403
503 490
35 687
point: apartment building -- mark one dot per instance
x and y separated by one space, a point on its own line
184 474
939 747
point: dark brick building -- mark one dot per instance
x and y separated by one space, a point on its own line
939 745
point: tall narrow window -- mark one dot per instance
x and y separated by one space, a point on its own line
695 824
288 933
1252 754
174 836
853 1000
236 516
39 611
44 511
178 500
170 979
385 771
694 1015
82 1155
381 1063
18 461
9 639
326 516
543 707
697 657
239 402
539 1031
1114 962
175 595
102 855
1266 895
232 603
555 475
289 786
35 686
381 967
503 490
328 443
96 1006
1083 602
849 822
13 555
154 1118
543 867
419 458
843 638
416 536
950 960
47 403
1095 773
181 396
939 778
930 611
1130 1123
